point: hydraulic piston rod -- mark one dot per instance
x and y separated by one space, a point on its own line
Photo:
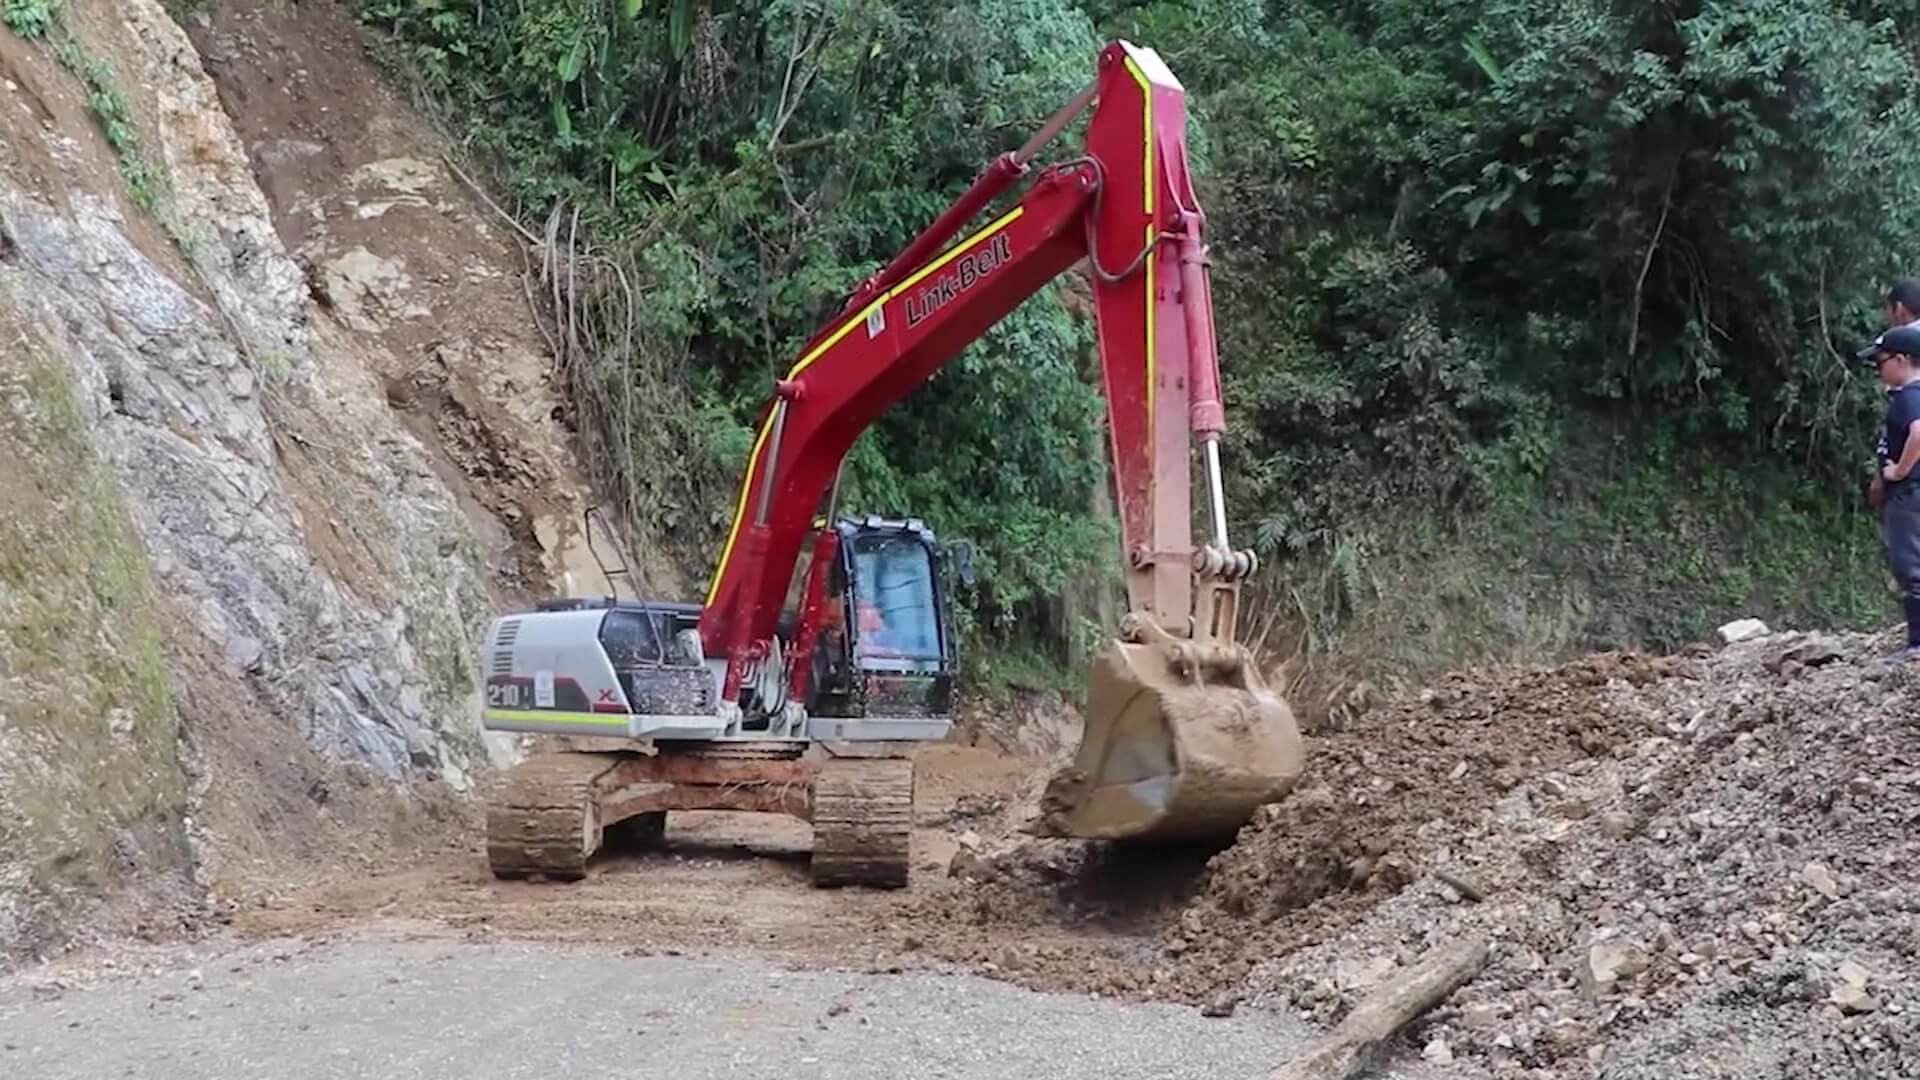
1207 415
1216 495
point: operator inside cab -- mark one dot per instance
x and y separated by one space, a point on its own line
872 624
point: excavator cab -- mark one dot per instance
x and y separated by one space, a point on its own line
887 647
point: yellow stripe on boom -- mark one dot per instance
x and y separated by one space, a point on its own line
815 353
739 507
1146 181
957 250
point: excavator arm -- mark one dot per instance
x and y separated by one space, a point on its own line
1182 738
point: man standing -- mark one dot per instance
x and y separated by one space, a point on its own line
1901 306
1896 356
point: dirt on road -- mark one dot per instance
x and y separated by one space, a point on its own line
728 881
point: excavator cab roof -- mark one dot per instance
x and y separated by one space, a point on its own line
594 603
874 524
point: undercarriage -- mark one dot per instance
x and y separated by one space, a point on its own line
555 810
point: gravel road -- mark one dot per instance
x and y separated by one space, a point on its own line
401 1009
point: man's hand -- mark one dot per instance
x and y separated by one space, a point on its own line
1891 472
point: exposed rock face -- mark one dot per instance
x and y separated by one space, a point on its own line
311 382
91 784
256 288
180 416
395 248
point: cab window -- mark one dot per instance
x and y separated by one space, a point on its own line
630 639
894 613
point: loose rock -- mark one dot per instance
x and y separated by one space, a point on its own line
1221 1005
1616 824
1818 876
1742 630
1610 961
1853 999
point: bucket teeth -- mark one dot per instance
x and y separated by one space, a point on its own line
1183 741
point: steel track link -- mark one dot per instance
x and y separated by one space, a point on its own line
543 821
863 822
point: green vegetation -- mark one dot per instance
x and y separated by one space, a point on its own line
735 172
30 18
147 186
83 671
1535 314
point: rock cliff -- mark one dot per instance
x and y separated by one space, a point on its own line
286 440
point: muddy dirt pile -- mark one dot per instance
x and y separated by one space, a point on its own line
1350 833
1700 866
1178 924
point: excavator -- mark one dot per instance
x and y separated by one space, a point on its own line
747 702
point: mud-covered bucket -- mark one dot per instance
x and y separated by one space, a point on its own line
1183 741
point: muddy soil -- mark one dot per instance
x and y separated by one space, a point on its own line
1178 924
1351 835
728 881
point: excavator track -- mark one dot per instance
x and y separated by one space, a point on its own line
863 822
544 822
554 811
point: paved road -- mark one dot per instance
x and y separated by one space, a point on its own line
399 1010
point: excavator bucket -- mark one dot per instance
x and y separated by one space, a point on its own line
1183 741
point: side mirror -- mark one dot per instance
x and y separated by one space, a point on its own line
961 555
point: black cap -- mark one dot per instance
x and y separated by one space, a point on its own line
1900 339
1905 291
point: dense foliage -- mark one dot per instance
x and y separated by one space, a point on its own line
1482 223
746 165
1481 260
